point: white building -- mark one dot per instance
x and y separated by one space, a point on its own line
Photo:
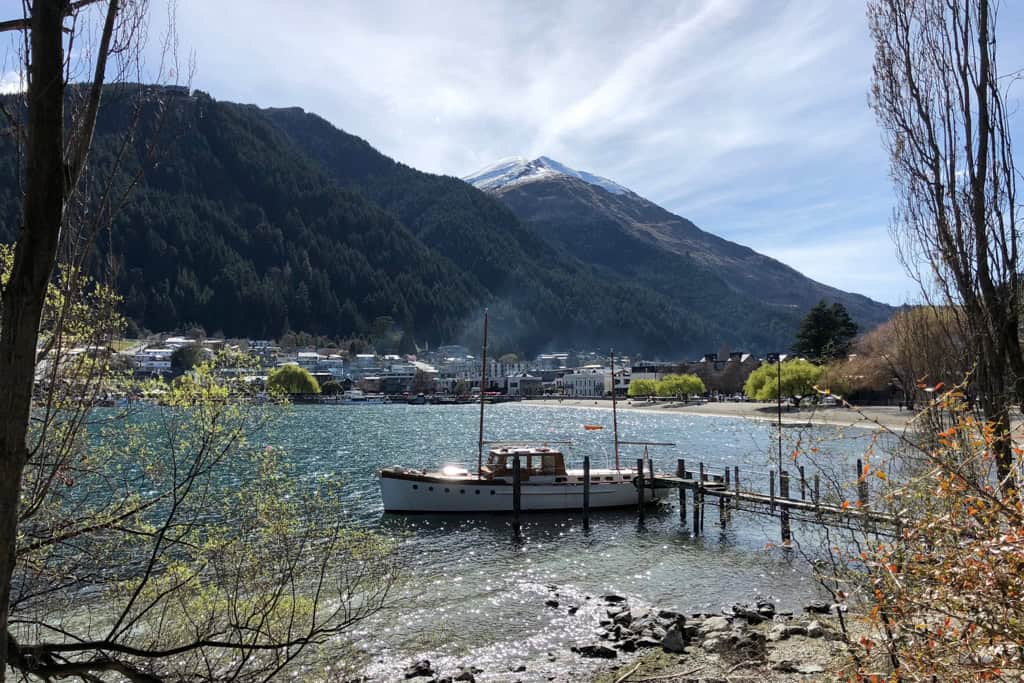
154 361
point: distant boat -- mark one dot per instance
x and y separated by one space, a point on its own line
545 482
356 396
591 428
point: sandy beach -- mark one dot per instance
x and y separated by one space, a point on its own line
873 417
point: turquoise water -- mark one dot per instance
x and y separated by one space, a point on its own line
473 594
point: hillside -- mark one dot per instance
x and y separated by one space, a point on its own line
604 223
257 221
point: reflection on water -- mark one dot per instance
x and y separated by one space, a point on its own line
473 594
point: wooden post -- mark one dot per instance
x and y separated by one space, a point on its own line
517 490
862 485
681 473
736 476
722 502
702 497
586 493
817 495
638 479
784 510
771 490
803 484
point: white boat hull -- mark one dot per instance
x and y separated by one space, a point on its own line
429 494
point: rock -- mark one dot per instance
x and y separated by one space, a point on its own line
785 666
810 669
443 679
596 651
669 615
625 617
628 645
752 616
712 644
815 629
518 669
419 669
573 610
674 640
644 643
784 631
465 675
551 603
714 625
766 608
818 607
613 599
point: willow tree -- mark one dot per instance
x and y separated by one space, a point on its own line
936 92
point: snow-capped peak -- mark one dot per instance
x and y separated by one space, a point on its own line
518 170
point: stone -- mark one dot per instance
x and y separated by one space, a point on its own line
573 610
419 669
644 643
766 608
669 615
518 669
810 669
465 675
625 617
596 651
712 644
674 640
751 615
714 625
784 666
815 629
818 607
551 603
628 645
613 599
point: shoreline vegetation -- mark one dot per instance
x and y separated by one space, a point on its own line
871 417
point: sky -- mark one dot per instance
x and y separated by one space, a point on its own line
750 118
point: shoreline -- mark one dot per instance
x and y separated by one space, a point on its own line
873 417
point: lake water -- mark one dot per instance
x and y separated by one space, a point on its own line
474 595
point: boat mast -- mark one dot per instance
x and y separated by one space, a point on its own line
615 417
483 385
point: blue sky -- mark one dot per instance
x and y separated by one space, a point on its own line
749 118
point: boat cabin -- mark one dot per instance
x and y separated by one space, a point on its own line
533 462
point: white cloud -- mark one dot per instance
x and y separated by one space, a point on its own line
749 118
11 82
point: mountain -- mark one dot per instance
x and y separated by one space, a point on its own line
605 224
253 221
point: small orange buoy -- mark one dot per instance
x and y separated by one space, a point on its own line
592 427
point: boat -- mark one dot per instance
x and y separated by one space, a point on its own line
545 481
356 396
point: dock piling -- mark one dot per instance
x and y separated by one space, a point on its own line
517 491
681 473
862 485
736 477
700 484
639 481
586 493
771 490
803 484
784 509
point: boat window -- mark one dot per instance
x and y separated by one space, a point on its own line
626 477
430 488
415 486
609 478
447 490
462 490
478 492
550 465
559 480
595 479
492 492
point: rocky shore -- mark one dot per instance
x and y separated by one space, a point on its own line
633 643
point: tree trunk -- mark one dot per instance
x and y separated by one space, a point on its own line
34 256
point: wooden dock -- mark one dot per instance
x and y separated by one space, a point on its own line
774 493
